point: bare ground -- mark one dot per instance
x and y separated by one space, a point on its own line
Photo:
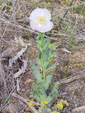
71 69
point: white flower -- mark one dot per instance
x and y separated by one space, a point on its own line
40 20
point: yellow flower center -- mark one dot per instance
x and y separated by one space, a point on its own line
44 102
41 19
60 105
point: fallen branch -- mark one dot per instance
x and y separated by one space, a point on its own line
2 75
25 100
72 79
22 70
78 109
20 53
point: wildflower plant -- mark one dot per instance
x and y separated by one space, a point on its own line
60 105
44 74
44 91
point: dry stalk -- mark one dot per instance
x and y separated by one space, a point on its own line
72 79
78 109
2 75
25 100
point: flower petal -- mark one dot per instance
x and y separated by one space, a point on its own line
36 13
47 26
40 12
46 14
33 25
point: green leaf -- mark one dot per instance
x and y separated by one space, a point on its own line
47 80
37 98
46 44
49 99
55 87
39 92
36 72
40 55
42 89
43 97
39 63
43 58
51 56
48 53
36 92
47 63
52 46
54 91
53 66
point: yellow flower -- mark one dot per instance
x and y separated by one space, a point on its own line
37 7
78 55
80 64
58 74
75 64
49 3
57 24
53 27
44 102
32 50
65 53
61 68
65 66
73 92
18 92
60 105
25 82
81 71
30 103
55 112
70 59
10 10
25 40
69 66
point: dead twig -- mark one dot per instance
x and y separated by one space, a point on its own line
2 73
4 104
72 79
78 109
19 97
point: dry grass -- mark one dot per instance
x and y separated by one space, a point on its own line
68 33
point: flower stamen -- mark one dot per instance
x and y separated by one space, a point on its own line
41 19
